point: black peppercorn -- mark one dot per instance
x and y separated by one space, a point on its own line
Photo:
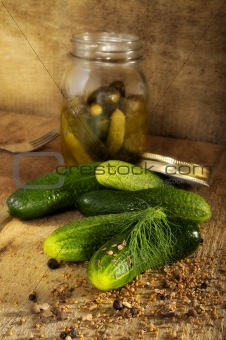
133 311
117 305
73 333
53 264
63 335
32 297
165 284
204 285
162 297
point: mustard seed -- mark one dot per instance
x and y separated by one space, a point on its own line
68 337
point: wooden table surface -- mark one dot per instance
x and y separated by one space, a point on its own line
192 306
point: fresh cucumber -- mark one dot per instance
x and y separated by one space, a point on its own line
39 199
125 176
78 240
176 202
112 265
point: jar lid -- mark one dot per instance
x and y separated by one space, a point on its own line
175 169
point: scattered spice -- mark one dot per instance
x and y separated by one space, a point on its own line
89 317
124 243
61 314
35 308
53 264
120 247
127 304
68 337
204 285
22 321
10 333
32 296
167 314
133 311
113 261
162 296
118 305
63 335
192 312
189 292
109 252
176 274
73 333
44 306
47 313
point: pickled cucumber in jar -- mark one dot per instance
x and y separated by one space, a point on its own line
136 119
105 125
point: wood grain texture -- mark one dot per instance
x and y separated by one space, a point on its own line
23 263
17 128
184 48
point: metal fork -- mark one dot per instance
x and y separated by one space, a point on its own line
31 145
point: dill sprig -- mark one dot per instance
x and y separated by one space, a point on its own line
149 237
151 240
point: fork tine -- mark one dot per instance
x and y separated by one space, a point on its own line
36 143
30 145
45 138
47 135
41 142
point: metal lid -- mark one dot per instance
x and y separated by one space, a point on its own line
175 169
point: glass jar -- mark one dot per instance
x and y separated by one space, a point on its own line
104 113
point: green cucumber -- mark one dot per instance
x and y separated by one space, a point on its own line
78 240
112 267
125 176
38 199
176 202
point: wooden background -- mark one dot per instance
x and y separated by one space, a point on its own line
185 62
